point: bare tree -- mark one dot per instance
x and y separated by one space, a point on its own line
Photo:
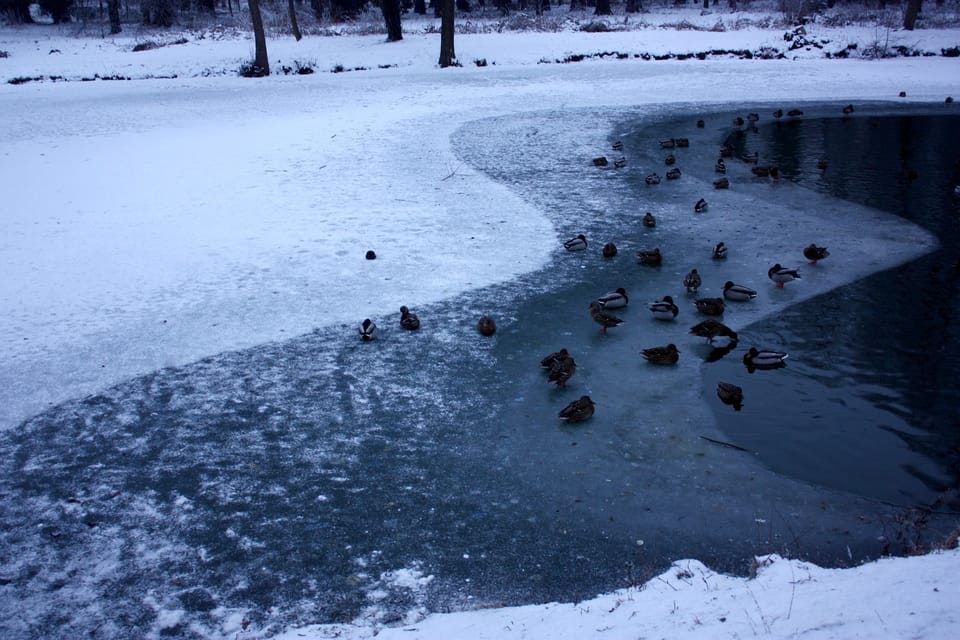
113 9
293 21
910 15
261 64
391 15
447 55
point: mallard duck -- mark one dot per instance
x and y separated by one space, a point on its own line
721 183
609 250
618 145
578 410
753 118
692 281
752 157
720 251
670 160
673 174
701 124
620 162
721 166
738 122
782 275
847 110
661 355
368 330
700 206
600 162
682 142
795 113
738 292
549 361
764 172
813 253
562 371
664 308
653 178
710 306
648 220
730 394
713 329
822 164
576 244
902 94
408 320
764 359
650 257
668 144
726 151
371 255
614 299
487 326
778 114
604 318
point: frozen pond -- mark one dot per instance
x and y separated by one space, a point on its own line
322 479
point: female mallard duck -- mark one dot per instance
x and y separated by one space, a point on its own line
721 183
618 145
764 359
700 206
738 122
726 151
720 251
620 162
847 110
561 371
782 275
367 330
673 174
670 160
730 394
692 282
712 329
661 355
653 178
650 257
408 320
682 142
668 144
738 292
701 124
604 318
486 326
814 253
664 308
578 410
614 299
648 220
609 250
753 118
778 114
548 361
710 306
576 244
721 166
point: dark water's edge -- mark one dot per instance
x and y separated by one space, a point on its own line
292 481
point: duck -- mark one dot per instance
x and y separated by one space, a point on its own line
753 118
670 160
822 164
486 326
576 244
650 257
562 370
371 255
408 319
664 308
614 300
847 110
730 394
620 162
701 124
649 221
738 292
682 142
368 330
700 206
710 306
618 145
673 174
726 151
600 161
764 172
813 253
782 275
547 362
609 250
795 113
692 281
778 114
604 318
720 167
721 183
578 410
738 122
661 355
668 144
713 329
751 157
764 359
720 251
653 178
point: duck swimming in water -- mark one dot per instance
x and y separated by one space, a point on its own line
730 394
764 359
486 326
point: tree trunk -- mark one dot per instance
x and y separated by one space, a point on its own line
391 15
910 17
113 9
420 7
447 55
260 62
634 6
293 21
317 7
603 8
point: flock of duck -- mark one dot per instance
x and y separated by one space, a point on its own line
561 365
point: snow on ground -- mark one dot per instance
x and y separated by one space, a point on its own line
151 223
